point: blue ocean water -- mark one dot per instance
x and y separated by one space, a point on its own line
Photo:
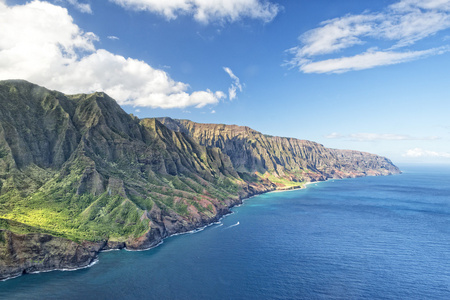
365 238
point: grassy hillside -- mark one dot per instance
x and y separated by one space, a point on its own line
81 168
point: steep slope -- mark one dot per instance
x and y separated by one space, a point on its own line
82 169
282 158
78 175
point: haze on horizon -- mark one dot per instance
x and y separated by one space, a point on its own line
364 75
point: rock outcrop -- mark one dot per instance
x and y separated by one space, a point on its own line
36 252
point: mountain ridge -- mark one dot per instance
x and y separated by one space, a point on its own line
281 156
79 175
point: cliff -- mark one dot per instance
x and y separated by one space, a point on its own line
78 175
30 252
284 158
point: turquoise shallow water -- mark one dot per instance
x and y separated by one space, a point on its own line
365 238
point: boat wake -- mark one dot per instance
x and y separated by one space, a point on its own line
233 225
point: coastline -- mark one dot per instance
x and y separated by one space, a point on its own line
105 246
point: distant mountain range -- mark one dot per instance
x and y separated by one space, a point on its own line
79 175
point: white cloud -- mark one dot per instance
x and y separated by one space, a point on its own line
335 35
418 152
83 7
112 37
367 60
362 137
402 24
39 42
333 135
206 11
236 85
412 5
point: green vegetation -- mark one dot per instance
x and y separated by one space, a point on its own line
282 182
79 167
20 228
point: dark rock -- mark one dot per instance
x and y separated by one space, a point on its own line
28 253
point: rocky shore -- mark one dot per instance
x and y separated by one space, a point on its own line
39 252
36 252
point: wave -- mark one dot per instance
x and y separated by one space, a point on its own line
233 225
12 277
65 270
95 261
145 249
191 231
109 250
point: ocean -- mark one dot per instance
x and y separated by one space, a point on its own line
363 238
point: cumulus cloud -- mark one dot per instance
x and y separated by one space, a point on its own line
113 37
363 137
401 24
419 152
40 42
235 86
206 11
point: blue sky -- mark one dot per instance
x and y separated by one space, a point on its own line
350 74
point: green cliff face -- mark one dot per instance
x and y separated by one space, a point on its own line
77 169
81 168
282 159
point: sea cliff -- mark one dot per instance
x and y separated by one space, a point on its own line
79 175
